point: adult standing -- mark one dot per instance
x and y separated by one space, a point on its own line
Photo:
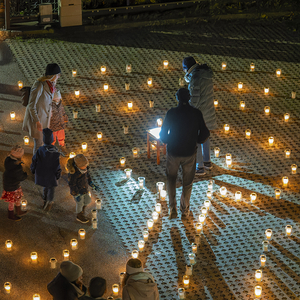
38 111
200 79
182 128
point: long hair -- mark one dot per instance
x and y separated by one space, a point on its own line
48 77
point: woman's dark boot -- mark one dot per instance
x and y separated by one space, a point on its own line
19 211
12 216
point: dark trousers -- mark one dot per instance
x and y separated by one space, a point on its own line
48 193
188 165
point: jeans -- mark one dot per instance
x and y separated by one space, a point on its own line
37 144
188 165
84 200
203 153
48 193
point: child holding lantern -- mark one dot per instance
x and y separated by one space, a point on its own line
12 176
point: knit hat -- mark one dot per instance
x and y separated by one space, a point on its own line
183 95
52 69
97 287
17 151
134 262
188 62
70 270
57 95
81 161
47 136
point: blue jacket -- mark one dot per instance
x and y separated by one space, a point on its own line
201 88
46 167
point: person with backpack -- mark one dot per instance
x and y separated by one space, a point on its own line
39 108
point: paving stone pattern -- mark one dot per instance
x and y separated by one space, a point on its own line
231 243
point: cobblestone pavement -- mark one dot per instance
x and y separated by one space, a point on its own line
230 246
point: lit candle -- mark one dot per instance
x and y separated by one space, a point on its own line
189 270
145 235
224 65
84 146
74 73
217 152
72 154
223 191
74 244
181 81
194 248
159 122
135 254
98 203
105 87
166 64
293 95
98 107
7 287
125 129
277 194
210 185
141 245
66 254
267 110
278 72
75 114
271 141
240 86
186 281
181 293
263 260
103 69
20 84
258 275
150 223
268 234
36 297
77 93
207 204
12 115
226 128
8 245
248 134
122 161
81 234
135 152
238 196
149 81
258 291
204 210
158 208
285 181
252 67
202 219
242 105
287 153
192 258
99 136
209 194
253 197
94 213
265 246
288 230
160 186
229 163
294 169
34 257
228 156
115 289
286 117
155 215
151 103
266 90
199 227
128 173
94 223
26 140
130 105
127 86
216 102
52 262
141 181
163 194
128 68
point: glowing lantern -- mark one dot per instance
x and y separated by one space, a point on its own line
103 69
226 128
288 230
36 297
66 254
8 245
74 244
84 146
258 275
74 73
285 181
278 72
99 136
263 260
130 105
242 105
240 86
238 196
7 287
141 245
216 102
72 154
224 66
105 87
253 197
12 115
186 281
26 140
122 161
149 81
252 67
223 191
135 254
286 117
258 291
115 289
294 168
159 122
248 134
266 91
166 64
77 93
268 234
20 85
34 257
217 152
81 233
277 194
271 141
267 110
287 153
128 68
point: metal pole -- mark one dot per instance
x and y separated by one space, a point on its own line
7 14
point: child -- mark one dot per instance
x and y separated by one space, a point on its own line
96 289
58 121
46 167
12 176
79 180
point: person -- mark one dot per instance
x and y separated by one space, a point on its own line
12 176
182 128
96 289
46 167
58 121
138 284
200 79
79 182
38 111
68 284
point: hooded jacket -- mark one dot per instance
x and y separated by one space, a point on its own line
140 286
46 166
200 78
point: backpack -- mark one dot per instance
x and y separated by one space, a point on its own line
25 93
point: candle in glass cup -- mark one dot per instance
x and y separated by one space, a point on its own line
240 86
277 193
158 208
248 134
105 87
99 136
130 105
166 64
103 69
141 245
94 213
74 73
23 205
145 235
66 254
265 246
253 197
204 210
115 289
278 72
150 223
125 129
84 146
226 128
163 195
7 287
12 115
267 110
199 227
266 91
192 258
149 81
209 194
74 244
160 186
268 234
77 93
181 293
155 216
286 117
207 203
271 141
52 262
151 103
189 270
26 140
223 191
242 105
294 169
293 95
20 84
202 219
217 152
288 230
224 65
257 291
128 173
135 253
194 248
81 233
36 297
159 122
34 257
258 275
75 114
98 203
8 245
238 196
127 86
216 103
98 107
122 161
94 223
285 181
252 67
186 281
263 260
72 154
141 181
287 153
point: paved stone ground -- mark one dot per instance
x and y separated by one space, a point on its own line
231 243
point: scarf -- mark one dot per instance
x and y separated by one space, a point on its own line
51 86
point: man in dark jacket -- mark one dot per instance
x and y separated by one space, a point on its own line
46 167
201 87
182 128
67 285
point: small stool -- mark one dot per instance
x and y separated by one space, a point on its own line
153 134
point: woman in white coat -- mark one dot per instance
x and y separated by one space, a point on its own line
38 111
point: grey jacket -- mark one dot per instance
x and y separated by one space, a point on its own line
201 87
38 109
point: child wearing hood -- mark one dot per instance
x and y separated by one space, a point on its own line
12 176
46 167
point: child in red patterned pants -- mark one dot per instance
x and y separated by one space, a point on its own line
12 176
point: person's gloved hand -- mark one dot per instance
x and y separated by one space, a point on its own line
94 187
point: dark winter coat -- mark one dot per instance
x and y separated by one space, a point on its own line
58 117
61 289
78 182
13 174
182 129
201 88
46 167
